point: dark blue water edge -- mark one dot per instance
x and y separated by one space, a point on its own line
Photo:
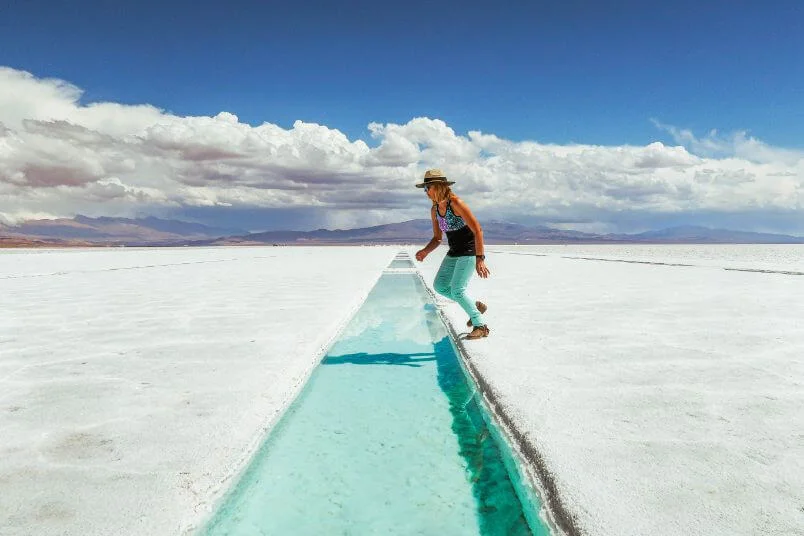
523 485
496 448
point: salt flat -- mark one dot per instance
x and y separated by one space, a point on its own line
664 399
768 257
134 383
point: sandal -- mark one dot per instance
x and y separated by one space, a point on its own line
479 332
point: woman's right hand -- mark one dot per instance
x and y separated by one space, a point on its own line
420 255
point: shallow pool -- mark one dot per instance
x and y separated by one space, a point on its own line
387 437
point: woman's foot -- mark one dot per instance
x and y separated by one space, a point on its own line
480 307
479 332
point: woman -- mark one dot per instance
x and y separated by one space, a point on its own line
465 255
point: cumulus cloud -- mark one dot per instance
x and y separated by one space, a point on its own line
60 157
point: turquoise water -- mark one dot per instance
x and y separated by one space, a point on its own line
401 263
387 437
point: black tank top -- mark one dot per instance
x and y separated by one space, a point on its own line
460 237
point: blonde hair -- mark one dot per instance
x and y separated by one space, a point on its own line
442 192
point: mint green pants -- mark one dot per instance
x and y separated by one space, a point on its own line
451 281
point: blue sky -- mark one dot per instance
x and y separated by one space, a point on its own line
570 71
721 79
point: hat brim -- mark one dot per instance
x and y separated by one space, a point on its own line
428 183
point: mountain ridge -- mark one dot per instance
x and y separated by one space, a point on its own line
150 231
106 230
496 232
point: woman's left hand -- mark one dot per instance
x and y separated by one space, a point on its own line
482 270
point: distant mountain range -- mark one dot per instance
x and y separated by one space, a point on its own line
495 232
693 234
84 231
412 231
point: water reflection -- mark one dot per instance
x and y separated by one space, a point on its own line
387 358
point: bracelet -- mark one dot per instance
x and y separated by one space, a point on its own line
481 257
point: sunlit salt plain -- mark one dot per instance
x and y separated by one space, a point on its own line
664 393
664 399
771 257
134 384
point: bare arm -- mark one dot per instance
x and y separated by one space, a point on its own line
462 209
434 242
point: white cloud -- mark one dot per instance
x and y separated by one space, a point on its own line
737 145
60 157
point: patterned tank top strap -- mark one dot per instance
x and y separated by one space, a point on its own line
442 220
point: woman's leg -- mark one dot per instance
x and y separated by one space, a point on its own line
443 279
461 275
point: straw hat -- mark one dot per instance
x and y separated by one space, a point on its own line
434 176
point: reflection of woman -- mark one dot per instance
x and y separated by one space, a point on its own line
465 255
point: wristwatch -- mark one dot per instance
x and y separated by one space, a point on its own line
481 257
